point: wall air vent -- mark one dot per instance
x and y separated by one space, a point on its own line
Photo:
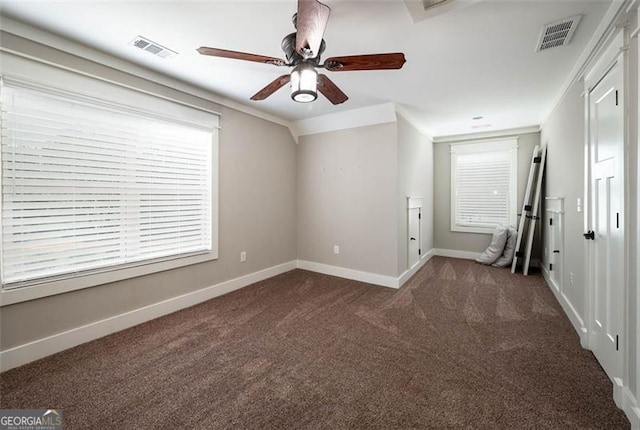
558 33
152 47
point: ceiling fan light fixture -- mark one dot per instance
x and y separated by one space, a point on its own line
304 82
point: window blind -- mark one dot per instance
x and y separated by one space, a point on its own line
483 180
89 186
483 188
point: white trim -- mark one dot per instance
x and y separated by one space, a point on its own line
484 145
344 272
475 229
51 40
609 58
490 135
631 407
554 204
599 39
411 119
410 272
500 145
414 202
26 353
637 203
99 277
367 277
454 253
567 307
624 399
371 115
136 102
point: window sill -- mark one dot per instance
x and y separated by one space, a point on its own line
463 229
59 286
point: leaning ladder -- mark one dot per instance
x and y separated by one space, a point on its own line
534 213
526 205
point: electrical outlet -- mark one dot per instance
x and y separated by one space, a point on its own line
336 249
243 256
571 279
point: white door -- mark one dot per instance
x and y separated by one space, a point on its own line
414 236
606 130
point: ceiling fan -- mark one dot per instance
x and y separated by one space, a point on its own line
302 50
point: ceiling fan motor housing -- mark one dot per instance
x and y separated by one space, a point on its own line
293 57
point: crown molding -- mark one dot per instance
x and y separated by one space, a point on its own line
487 134
413 121
598 41
53 41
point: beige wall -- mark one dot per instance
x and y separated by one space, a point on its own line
257 215
257 194
444 238
415 179
563 133
347 186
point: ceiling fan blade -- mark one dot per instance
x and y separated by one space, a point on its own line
365 62
215 52
331 90
311 22
274 86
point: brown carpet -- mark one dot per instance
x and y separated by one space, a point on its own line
460 346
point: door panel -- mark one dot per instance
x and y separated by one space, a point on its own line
606 126
414 236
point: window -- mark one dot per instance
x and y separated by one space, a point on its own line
89 186
483 185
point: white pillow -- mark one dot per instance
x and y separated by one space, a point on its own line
509 249
496 247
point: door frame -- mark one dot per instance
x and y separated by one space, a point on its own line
614 54
636 34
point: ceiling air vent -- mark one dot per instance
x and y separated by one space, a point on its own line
152 47
428 4
558 33
424 9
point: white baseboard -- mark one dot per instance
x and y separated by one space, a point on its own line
631 408
625 400
567 307
454 253
368 277
622 396
356 275
23 354
410 272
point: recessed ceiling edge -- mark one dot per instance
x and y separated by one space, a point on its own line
424 9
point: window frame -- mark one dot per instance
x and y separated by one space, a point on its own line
510 145
168 109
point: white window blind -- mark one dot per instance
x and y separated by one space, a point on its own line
89 186
483 185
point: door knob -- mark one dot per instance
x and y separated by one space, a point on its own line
590 235
413 238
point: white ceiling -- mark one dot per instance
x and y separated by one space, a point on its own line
478 60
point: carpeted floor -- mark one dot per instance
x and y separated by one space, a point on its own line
459 346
